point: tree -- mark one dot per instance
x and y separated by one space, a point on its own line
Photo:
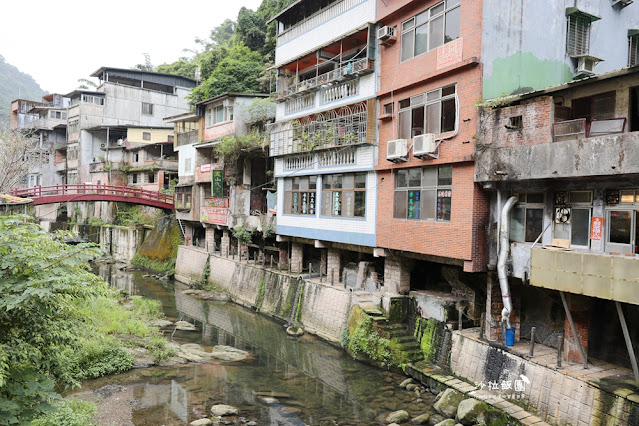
147 65
40 278
183 66
237 72
85 84
18 151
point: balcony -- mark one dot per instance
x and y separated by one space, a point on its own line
331 129
611 277
187 138
61 166
595 156
348 70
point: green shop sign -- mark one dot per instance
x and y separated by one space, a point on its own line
217 183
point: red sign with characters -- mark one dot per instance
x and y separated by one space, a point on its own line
596 227
214 215
216 202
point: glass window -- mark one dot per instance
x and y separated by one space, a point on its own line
620 224
436 116
423 193
527 217
344 195
299 195
430 29
580 227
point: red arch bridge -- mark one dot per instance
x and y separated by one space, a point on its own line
94 192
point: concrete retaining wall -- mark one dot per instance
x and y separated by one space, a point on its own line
558 397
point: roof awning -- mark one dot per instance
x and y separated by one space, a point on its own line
633 32
573 11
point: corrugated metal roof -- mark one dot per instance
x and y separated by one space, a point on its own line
152 77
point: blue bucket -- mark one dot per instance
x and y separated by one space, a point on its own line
510 336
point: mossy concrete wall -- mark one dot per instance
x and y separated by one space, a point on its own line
162 242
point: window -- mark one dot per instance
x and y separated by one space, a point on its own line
430 112
151 177
344 195
147 109
74 126
299 195
134 178
424 193
98 100
187 165
575 226
183 198
146 136
388 108
430 29
136 156
59 115
515 123
578 31
218 114
527 217
633 48
170 138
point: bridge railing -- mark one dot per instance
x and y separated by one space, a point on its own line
85 188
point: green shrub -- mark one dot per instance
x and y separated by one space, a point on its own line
161 349
68 412
100 358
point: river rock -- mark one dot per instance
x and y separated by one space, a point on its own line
162 323
469 411
200 422
406 383
224 410
399 416
447 422
268 400
228 353
192 291
193 352
448 403
294 331
421 420
411 386
185 326
217 296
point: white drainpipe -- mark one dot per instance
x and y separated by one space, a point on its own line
504 248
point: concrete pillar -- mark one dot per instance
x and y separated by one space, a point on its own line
225 245
209 236
297 257
397 275
580 310
333 265
324 262
188 234
283 255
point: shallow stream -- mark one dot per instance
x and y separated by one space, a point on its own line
313 382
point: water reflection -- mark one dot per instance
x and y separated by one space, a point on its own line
286 381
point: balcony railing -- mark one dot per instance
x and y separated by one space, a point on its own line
347 70
348 126
187 138
580 128
316 19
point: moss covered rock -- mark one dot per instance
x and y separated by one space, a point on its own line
469 410
448 403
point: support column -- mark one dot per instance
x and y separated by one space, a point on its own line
226 242
188 234
324 262
283 255
297 257
209 237
495 304
397 275
333 265
580 310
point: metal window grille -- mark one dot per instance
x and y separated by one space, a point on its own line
578 37
633 54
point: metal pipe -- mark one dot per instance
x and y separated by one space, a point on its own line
582 354
626 336
504 244
532 342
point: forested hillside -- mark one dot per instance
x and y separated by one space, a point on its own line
235 56
15 84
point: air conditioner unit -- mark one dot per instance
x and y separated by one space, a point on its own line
397 149
386 33
102 145
562 215
586 64
424 144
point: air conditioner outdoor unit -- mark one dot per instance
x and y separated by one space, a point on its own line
424 144
586 65
102 145
397 149
385 33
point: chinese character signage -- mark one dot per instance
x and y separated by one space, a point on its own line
596 226
205 168
216 202
217 183
215 215
449 54
413 204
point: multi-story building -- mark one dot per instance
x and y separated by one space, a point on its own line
323 140
216 193
46 122
564 156
125 99
431 215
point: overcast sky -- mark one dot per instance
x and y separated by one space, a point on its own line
58 42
